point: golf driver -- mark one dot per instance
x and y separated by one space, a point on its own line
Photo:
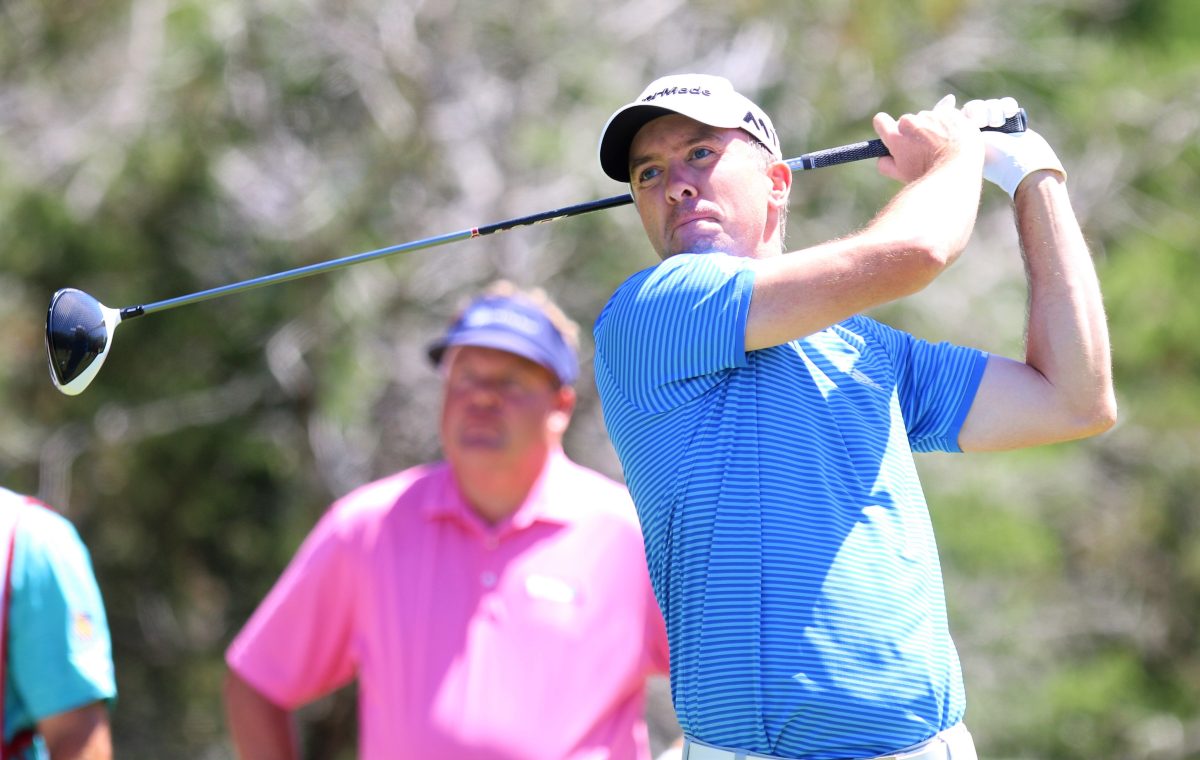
79 329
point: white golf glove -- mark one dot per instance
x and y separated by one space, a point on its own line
1009 158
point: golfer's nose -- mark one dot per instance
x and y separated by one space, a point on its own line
680 185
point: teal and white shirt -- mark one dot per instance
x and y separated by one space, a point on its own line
59 655
787 535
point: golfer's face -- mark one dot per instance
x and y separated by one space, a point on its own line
498 404
698 188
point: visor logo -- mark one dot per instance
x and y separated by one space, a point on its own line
483 316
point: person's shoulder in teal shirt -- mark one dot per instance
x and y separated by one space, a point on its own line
59 648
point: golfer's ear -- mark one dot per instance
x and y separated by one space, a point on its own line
780 175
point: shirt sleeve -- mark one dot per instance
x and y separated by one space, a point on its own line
297 646
936 385
60 651
669 332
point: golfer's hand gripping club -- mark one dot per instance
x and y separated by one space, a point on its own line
1009 157
1013 123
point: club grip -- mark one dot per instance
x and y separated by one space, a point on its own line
1018 122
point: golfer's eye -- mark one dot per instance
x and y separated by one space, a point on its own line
647 174
700 153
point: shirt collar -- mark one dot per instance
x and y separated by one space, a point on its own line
546 501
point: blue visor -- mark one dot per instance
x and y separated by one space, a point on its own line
513 325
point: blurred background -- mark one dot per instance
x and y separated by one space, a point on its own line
152 148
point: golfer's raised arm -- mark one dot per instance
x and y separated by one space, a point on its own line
1063 390
938 154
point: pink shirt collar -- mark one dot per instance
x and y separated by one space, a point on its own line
540 504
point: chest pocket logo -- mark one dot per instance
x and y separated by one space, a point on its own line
549 589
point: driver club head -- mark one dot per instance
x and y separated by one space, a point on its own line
79 333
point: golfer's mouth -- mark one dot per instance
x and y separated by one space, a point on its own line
692 223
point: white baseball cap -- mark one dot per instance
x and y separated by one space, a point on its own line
706 98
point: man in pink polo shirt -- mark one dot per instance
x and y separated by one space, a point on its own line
495 605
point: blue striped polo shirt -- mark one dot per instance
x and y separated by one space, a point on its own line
787 536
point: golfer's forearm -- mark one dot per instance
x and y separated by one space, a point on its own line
1067 340
802 292
910 243
260 729
937 210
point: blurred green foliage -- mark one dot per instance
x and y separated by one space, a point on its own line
150 149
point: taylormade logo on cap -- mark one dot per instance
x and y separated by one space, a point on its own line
708 99
676 90
726 103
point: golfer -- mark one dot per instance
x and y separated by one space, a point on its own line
766 428
493 606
